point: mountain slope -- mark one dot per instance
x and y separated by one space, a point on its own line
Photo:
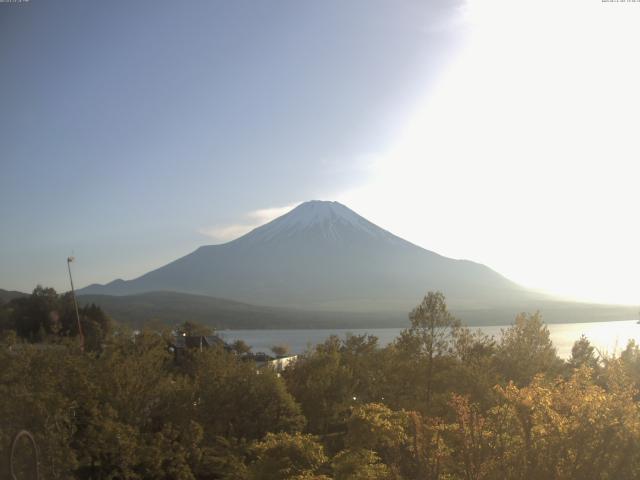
8 295
324 256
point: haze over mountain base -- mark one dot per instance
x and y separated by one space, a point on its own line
171 308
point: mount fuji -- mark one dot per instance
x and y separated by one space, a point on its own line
322 256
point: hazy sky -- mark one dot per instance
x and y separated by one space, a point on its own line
501 131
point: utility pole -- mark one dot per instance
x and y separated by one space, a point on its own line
75 304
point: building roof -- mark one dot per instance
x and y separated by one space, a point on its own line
197 341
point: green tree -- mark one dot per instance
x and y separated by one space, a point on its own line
280 350
9 338
362 357
193 329
6 322
374 427
526 349
240 347
287 456
323 386
474 373
424 344
359 465
583 354
223 458
235 399
32 315
45 315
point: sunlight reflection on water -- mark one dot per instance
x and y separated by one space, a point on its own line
607 337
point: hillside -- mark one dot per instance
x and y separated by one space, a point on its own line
171 308
7 295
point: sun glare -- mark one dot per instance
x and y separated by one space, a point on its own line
530 133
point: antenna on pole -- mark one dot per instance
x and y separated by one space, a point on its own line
75 303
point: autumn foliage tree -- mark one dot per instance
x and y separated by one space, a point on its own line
442 402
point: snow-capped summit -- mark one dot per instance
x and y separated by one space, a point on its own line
324 219
316 212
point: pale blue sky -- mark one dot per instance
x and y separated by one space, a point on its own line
128 127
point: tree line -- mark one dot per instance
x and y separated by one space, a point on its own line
440 402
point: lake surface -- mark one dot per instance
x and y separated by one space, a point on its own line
609 337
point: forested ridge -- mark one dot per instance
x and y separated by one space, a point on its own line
440 402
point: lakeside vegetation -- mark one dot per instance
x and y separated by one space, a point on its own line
441 402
